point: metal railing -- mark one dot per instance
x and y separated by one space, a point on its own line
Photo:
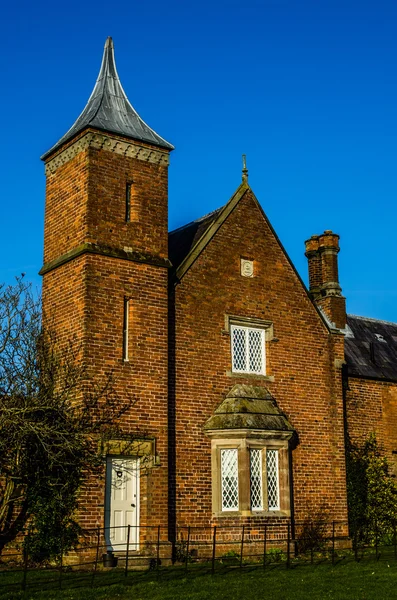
268 545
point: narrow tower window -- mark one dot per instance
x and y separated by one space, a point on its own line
125 329
128 202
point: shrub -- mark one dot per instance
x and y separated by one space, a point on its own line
312 536
372 493
275 555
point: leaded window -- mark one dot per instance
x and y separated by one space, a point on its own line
256 479
248 350
273 492
229 476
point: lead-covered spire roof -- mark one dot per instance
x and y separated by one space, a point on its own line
109 109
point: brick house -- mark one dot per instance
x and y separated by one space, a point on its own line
241 381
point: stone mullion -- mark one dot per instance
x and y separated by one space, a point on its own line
244 478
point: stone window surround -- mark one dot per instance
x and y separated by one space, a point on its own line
255 324
243 444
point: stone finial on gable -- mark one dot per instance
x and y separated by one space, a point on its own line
245 170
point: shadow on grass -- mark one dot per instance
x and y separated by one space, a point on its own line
53 583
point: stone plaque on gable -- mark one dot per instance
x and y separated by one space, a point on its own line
247 268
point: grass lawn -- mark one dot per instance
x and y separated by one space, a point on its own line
358 581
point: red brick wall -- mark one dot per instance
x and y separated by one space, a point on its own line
86 202
143 379
84 299
64 303
335 308
371 407
306 384
66 207
108 176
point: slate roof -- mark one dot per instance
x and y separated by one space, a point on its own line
109 109
371 348
248 407
183 239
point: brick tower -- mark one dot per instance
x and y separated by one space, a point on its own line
105 287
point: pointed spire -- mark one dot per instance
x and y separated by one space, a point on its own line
108 109
245 170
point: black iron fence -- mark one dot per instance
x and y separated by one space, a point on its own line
100 560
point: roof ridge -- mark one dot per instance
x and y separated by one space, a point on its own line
372 319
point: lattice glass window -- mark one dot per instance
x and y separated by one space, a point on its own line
229 476
248 350
273 492
256 479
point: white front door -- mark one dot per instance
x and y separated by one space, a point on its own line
122 503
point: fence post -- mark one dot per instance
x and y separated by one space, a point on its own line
213 551
355 542
333 542
96 556
288 546
264 548
242 547
158 549
128 551
61 561
376 539
174 543
187 547
25 561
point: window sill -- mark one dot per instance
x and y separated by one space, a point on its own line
250 376
270 513
254 513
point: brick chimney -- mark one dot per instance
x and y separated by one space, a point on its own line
322 254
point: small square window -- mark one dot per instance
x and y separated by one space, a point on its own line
248 350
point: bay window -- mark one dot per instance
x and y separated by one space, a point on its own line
262 479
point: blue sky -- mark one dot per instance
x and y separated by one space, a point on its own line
307 89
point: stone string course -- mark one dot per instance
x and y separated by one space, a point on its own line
109 143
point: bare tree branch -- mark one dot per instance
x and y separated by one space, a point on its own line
52 415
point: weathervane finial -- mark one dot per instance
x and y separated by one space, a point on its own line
245 170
